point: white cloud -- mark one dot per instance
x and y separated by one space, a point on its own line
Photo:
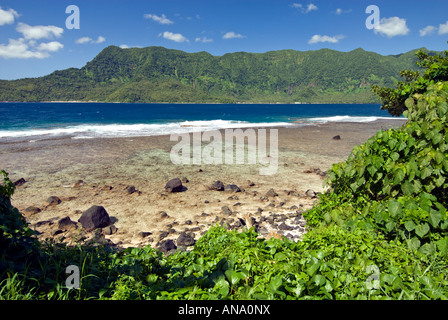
318 38
339 11
310 7
443 28
392 27
52 46
162 19
203 40
7 16
177 37
85 40
233 35
39 32
21 49
124 46
427 31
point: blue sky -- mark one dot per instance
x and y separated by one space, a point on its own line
35 41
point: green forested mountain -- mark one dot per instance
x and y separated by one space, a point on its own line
157 74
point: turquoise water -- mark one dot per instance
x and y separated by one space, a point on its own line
89 120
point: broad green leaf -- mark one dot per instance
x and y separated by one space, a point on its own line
232 276
398 176
319 280
426 172
275 283
409 225
395 156
422 229
407 188
413 243
313 268
434 218
442 245
395 208
390 226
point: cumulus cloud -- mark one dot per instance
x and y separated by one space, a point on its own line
203 40
443 28
392 27
305 9
176 37
7 16
85 40
160 19
22 49
427 31
233 35
52 46
39 32
318 38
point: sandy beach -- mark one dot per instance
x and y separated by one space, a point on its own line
127 177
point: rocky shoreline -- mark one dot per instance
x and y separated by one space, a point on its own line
274 217
59 179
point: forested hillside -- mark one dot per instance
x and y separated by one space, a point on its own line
157 74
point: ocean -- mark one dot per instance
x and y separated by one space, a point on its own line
29 121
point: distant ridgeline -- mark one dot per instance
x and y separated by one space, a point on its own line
157 74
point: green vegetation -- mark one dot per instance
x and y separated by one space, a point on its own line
379 232
157 74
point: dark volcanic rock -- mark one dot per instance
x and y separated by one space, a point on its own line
217 185
53 200
232 188
174 185
226 210
271 193
95 217
185 239
19 182
167 245
66 223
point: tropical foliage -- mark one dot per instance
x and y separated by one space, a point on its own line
156 74
379 232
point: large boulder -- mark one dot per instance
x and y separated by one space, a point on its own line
95 217
174 185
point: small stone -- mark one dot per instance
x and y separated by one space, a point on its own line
144 234
338 137
217 186
130 189
110 230
284 226
163 214
174 185
226 210
310 193
232 188
271 193
185 239
166 246
66 223
163 235
53 200
20 182
32 210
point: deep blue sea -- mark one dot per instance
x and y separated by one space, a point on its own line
90 120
